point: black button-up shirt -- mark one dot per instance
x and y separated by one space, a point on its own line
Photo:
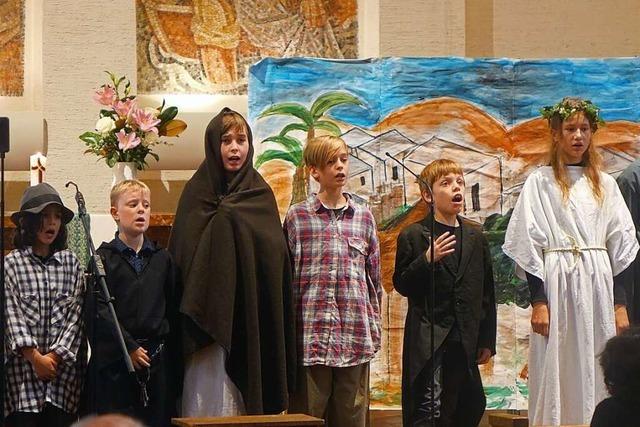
137 260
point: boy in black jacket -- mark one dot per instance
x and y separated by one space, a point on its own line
465 310
140 278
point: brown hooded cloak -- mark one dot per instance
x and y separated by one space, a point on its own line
233 262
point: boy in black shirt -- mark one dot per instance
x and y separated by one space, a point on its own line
464 310
140 278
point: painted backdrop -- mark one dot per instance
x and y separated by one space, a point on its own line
482 113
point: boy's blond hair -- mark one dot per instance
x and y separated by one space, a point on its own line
437 169
122 187
321 149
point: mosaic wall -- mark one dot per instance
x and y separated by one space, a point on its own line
11 47
207 46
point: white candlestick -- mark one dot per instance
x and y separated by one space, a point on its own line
38 164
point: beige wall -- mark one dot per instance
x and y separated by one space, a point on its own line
422 27
510 28
83 38
580 28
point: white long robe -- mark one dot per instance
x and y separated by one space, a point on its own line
565 379
208 390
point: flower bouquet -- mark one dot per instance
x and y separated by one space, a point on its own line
126 132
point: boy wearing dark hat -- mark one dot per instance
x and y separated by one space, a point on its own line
44 291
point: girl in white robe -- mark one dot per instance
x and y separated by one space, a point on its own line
572 232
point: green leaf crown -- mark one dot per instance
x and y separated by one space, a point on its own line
567 107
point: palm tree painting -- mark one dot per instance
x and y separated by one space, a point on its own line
310 120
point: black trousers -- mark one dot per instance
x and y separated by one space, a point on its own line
119 392
459 399
51 416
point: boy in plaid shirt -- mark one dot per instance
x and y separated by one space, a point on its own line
336 285
44 291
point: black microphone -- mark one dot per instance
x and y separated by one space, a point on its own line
425 183
82 209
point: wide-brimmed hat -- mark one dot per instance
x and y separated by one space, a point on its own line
38 197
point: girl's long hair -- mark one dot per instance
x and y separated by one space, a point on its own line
29 225
591 159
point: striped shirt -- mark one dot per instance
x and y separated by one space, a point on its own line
336 282
43 310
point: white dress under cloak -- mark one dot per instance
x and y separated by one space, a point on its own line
565 379
208 390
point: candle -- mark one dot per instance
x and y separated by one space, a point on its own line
38 164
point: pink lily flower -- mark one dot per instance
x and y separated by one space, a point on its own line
145 120
106 95
127 141
125 108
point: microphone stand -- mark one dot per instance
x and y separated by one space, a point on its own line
2 299
4 148
432 296
99 275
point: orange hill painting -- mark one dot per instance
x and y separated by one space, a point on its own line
482 113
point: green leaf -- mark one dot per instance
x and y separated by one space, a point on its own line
328 126
289 143
154 155
112 77
111 161
107 113
270 155
331 99
91 138
294 126
168 114
289 109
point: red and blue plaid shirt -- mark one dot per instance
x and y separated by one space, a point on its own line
336 282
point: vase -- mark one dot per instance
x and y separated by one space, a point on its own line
123 171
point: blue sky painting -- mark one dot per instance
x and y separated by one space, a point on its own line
510 90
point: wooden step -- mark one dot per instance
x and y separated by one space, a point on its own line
288 420
504 419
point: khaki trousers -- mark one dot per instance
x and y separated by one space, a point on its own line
339 395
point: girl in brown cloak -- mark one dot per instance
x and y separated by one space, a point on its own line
227 241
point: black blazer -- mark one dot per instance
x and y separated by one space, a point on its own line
467 296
